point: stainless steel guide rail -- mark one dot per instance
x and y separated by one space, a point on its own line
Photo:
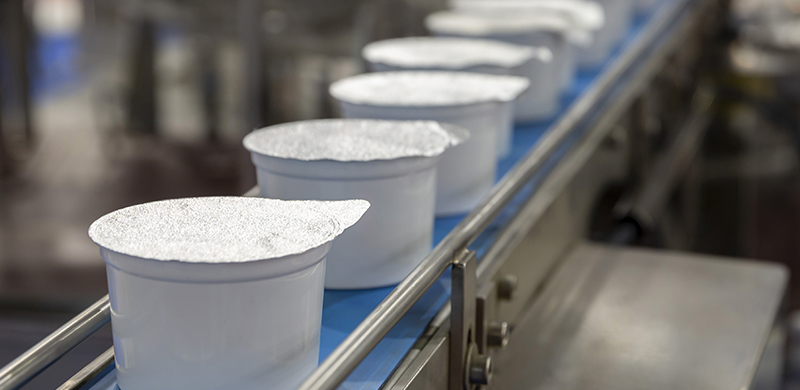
53 347
347 356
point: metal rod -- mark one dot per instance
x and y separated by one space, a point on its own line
366 336
346 357
650 201
63 340
58 343
90 371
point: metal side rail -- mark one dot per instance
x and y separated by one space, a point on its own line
558 140
22 369
673 17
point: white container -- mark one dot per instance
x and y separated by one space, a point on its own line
480 103
392 164
542 100
218 293
447 53
645 6
460 54
619 16
587 18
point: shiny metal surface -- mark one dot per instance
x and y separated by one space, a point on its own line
463 347
557 214
64 339
47 351
497 335
90 371
650 201
366 336
621 319
347 356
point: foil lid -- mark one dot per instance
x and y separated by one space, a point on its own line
585 15
427 89
489 24
449 53
224 229
353 140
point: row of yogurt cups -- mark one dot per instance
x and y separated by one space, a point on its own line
216 292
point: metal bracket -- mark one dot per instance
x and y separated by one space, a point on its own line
490 335
469 369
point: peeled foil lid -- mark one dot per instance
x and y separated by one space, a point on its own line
449 53
427 89
354 139
224 229
585 15
487 24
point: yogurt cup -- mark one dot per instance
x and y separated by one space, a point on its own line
542 100
218 292
392 164
619 16
461 54
645 6
480 103
587 18
583 15
447 53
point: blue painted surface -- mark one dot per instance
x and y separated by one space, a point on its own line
344 310
54 68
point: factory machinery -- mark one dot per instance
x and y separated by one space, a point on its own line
544 285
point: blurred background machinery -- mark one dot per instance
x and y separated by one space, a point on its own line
107 103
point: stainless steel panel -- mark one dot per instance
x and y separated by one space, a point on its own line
614 318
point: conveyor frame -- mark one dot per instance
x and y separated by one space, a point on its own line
551 220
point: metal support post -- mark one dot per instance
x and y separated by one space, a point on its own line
469 369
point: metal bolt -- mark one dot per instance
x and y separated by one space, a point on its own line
497 335
506 287
480 370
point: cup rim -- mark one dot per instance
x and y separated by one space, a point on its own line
233 272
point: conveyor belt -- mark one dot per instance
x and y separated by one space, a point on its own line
344 310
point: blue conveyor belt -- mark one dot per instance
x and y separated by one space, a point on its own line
344 310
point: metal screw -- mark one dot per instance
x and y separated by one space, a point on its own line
497 335
480 370
506 287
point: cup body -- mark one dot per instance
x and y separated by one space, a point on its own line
563 64
465 172
392 237
645 6
547 79
209 326
619 15
505 137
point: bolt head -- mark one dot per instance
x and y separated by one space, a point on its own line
497 335
480 370
506 287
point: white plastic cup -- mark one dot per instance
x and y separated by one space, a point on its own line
180 328
214 325
394 235
645 6
466 172
548 80
584 17
619 16
468 55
